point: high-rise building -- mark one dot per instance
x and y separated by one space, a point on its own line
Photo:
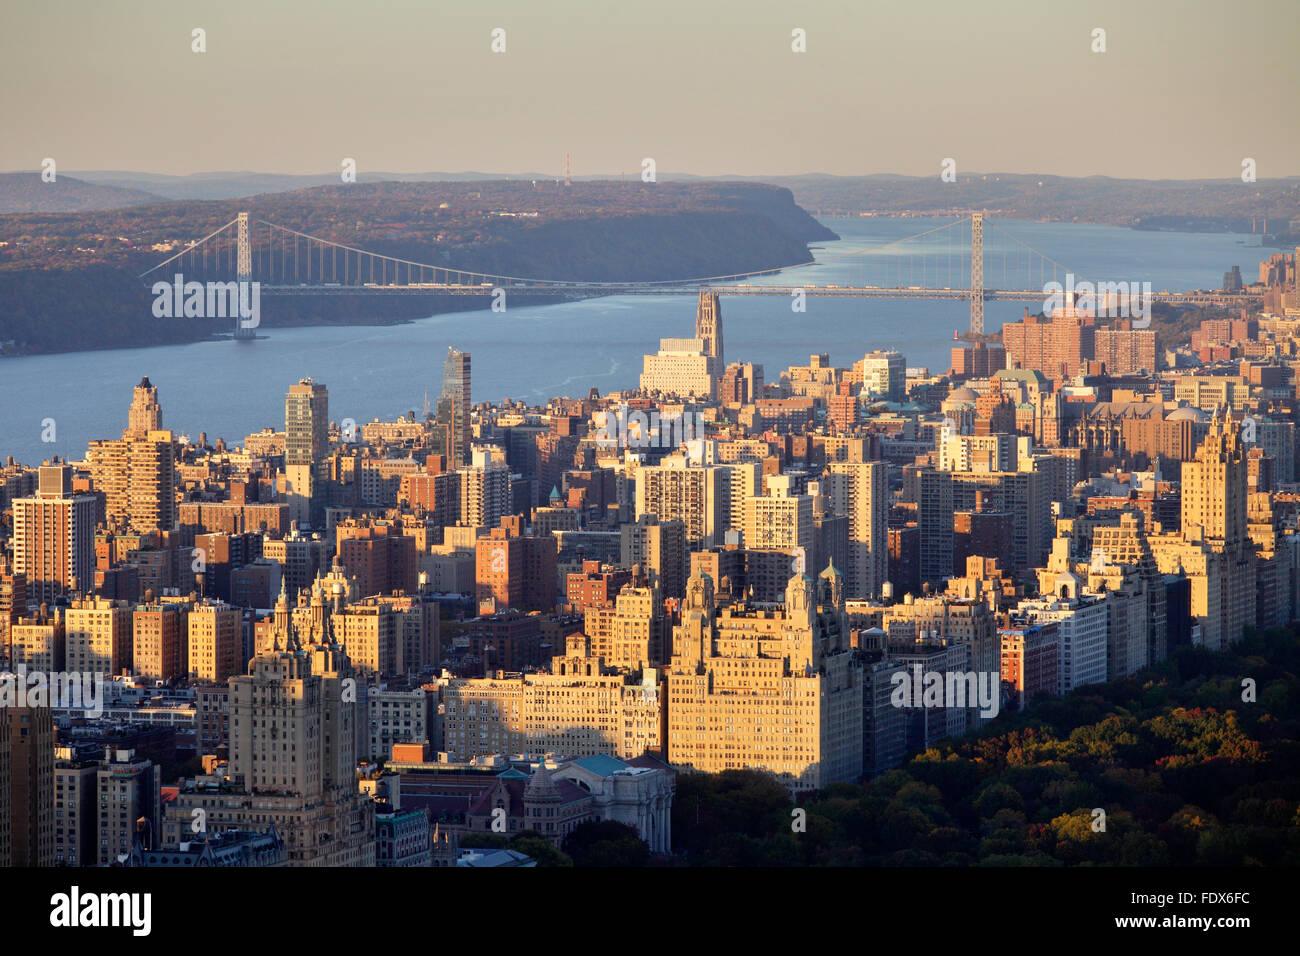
659 548
515 571
977 361
782 523
948 618
454 412
934 520
130 801
377 556
860 490
1125 350
306 449
76 799
696 496
137 473
1058 346
1022 494
37 641
1213 548
215 642
1127 544
1214 486
27 779
418 630
13 598
302 557
54 537
633 633
1082 631
369 630
484 490
294 720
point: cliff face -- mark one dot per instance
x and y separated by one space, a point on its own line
69 282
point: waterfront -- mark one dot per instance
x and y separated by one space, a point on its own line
229 389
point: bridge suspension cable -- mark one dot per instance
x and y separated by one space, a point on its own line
952 260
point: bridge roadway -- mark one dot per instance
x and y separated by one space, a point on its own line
577 290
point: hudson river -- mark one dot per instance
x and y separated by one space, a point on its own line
230 389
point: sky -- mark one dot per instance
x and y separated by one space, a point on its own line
1185 88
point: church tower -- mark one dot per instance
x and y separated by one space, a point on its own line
708 328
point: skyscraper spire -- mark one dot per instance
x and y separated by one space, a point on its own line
145 414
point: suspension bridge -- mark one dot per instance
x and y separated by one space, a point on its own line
951 261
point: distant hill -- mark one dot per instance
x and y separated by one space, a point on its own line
1177 205
1219 205
69 281
26 192
232 185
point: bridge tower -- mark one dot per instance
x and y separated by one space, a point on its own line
244 271
977 273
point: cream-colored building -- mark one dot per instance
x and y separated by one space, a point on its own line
484 491
633 634
579 709
1213 547
38 642
979 453
98 634
781 523
145 414
770 687
883 374
951 618
682 367
369 631
137 475
216 632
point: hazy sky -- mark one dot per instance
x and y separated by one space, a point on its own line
1185 89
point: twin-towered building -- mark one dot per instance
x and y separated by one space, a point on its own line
775 687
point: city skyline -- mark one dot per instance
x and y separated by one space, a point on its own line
815 437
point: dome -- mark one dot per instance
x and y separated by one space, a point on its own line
963 394
1186 414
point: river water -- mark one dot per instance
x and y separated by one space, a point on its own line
230 389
